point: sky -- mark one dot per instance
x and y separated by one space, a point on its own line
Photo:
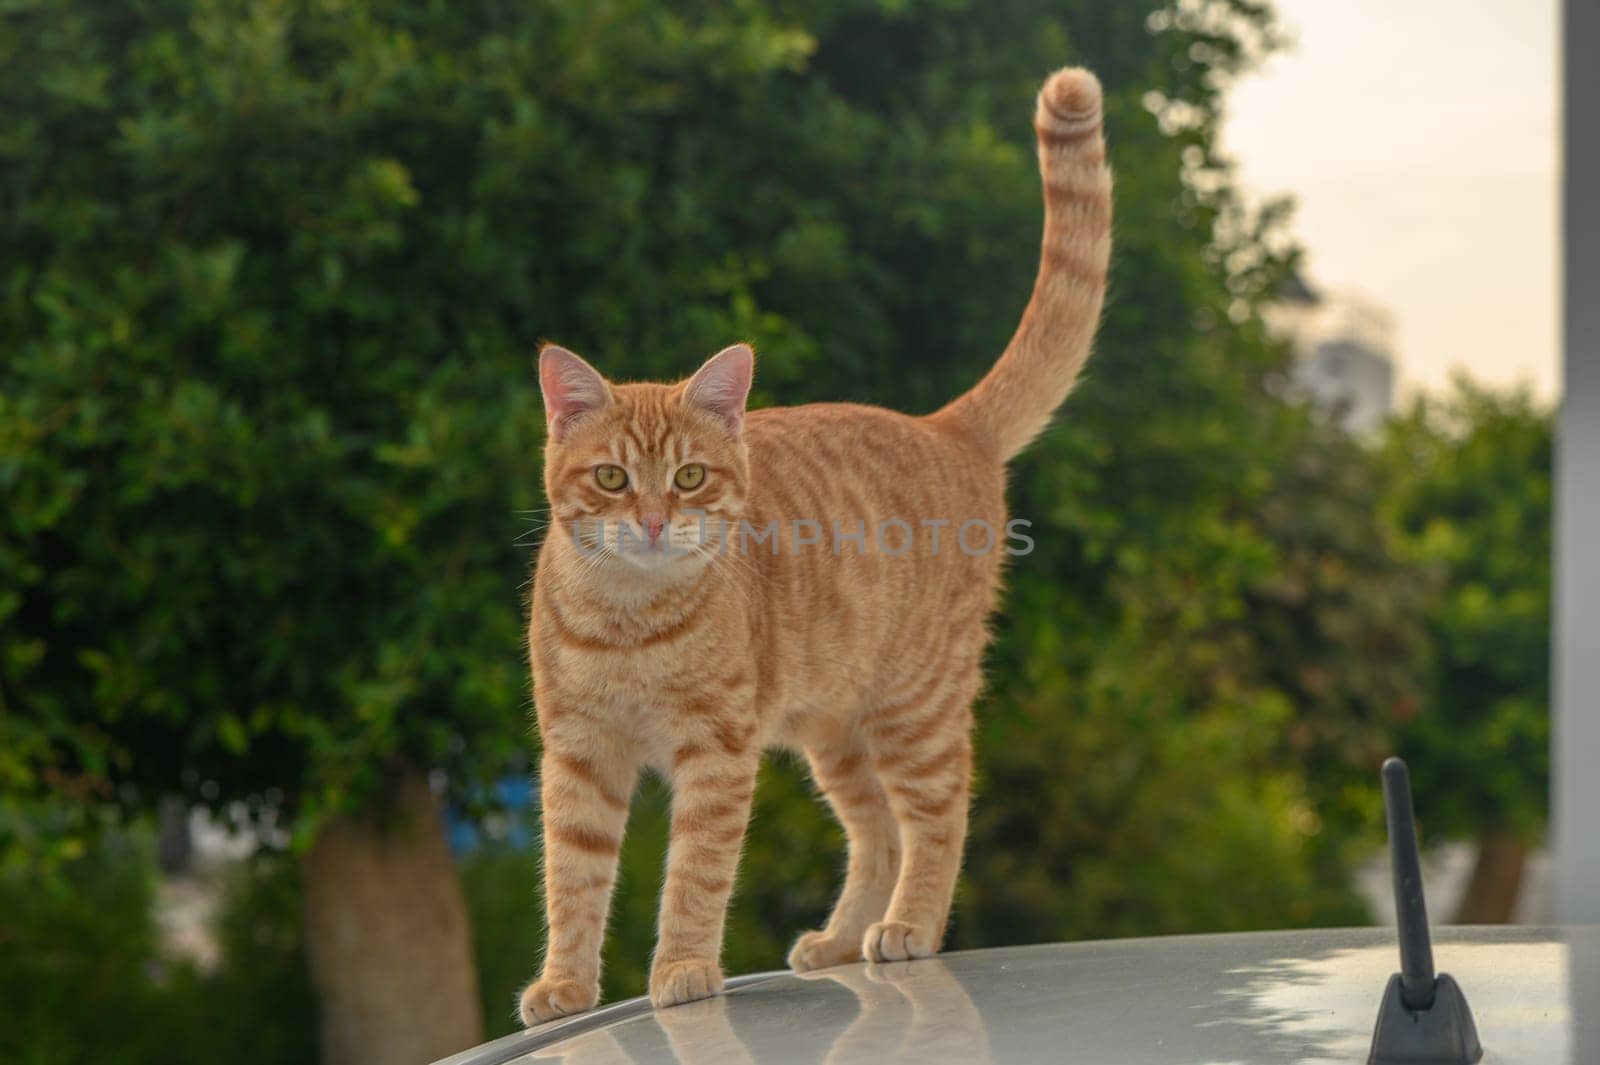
1421 142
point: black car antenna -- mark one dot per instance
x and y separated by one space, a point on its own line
1424 1018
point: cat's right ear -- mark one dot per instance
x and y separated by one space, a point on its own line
571 387
722 386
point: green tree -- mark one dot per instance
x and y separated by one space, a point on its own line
264 416
274 269
85 977
1471 498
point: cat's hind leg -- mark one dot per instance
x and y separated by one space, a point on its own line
843 770
922 752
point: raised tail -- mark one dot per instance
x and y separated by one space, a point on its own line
1014 401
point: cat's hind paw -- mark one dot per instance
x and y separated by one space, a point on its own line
820 950
547 999
897 941
675 982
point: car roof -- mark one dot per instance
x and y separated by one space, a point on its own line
1267 997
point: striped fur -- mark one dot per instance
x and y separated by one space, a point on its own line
1013 404
866 660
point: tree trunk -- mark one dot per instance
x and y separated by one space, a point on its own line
387 936
1491 895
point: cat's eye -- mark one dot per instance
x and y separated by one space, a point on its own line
690 477
611 478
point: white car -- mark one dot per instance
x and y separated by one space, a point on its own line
1257 998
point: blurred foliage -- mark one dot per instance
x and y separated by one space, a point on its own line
507 929
1471 497
265 411
88 947
273 273
85 978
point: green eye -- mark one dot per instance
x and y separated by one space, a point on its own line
611 478
690 477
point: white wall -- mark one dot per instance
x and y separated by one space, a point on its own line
1576 669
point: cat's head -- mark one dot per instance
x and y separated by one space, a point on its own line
651 476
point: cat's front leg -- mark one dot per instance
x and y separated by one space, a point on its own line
713 780
584 795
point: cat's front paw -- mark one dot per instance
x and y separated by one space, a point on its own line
676 982
820 950
897 941
551 997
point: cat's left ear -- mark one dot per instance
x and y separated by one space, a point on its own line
571 387
722 385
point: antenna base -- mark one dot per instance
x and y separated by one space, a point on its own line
1442 1034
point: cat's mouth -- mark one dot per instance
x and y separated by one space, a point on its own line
656 554
674 545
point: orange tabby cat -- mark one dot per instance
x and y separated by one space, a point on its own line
817 578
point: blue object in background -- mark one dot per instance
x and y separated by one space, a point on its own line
510 822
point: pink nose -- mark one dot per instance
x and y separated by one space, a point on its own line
653 524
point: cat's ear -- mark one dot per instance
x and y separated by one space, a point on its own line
722 385
571 387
